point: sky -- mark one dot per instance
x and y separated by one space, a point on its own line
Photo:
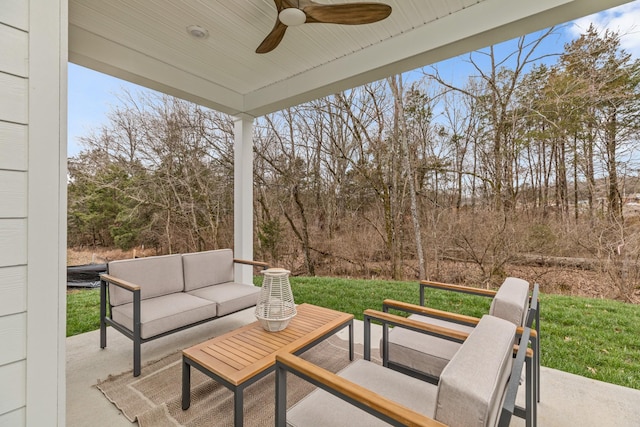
91 95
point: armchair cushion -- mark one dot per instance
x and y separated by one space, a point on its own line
424 353
165 313
207 268
471 388
156 276
511 302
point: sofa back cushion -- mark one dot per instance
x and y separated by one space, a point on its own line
156 276
511 301
207 268
473 384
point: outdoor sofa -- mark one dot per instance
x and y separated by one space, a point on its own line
477 387
152 297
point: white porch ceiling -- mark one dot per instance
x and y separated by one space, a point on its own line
146 42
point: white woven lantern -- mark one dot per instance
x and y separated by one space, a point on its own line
275 307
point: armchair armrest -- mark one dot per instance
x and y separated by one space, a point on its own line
458 288
454 288
422 327
365 399
264 265
440 314
414 325
119 282
395 320
516 348
429 312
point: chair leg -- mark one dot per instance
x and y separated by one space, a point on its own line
137 339
530 393
385 345
103 314
537 354
103 334
136 356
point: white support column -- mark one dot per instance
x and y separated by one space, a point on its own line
243 197
47 213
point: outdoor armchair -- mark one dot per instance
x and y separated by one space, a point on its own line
425 358
477 387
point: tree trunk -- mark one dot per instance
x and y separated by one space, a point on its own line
400 132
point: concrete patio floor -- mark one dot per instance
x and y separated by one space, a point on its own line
567 400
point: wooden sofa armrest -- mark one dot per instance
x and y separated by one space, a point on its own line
355 394
264 265
135 333
119 282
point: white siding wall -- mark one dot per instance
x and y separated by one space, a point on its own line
13 211
32 211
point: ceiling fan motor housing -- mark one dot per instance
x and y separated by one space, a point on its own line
292 17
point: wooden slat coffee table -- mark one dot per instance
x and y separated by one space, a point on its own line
239 358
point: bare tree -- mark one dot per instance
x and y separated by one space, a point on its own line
497 100
400 132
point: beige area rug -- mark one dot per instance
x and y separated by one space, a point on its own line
154 398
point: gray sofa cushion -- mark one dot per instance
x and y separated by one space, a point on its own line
323 409
207 268
156 276
511 301
229 297
471 388
164 313
422 352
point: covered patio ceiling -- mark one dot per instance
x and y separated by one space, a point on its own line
146 42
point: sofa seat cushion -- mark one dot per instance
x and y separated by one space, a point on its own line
511 301
472 386
165 313
422 352
229 297
156 276
320 408
208 268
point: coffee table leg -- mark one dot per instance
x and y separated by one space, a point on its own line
186 384
237 406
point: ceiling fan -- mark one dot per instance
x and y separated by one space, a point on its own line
298 12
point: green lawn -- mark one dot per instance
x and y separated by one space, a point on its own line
83 311
594 338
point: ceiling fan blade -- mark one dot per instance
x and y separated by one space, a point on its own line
273 39
347 14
